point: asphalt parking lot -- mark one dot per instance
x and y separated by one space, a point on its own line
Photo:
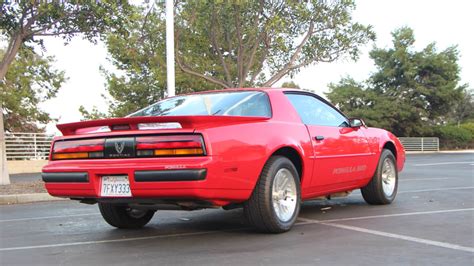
431 222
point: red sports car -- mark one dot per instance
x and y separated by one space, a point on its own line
265 150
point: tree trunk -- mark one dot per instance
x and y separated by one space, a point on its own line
13 46
4 177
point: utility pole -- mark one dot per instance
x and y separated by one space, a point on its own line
170 78
4 177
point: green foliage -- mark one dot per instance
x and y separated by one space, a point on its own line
22 22
468 126
249 43
221 44
137 51
463 110
454 137
25 77
94 114
60 18
410 92
30 80
290 84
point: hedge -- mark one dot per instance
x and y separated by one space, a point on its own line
456 137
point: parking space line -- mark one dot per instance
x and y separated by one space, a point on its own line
391 235
403 237
47 217
434 189
116 240
444 163
429 178
304 222
395 215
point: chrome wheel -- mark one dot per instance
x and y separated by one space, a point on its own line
284 195
389 176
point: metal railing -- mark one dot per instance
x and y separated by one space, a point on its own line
27 146
420 144
36 146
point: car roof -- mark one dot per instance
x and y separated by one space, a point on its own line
266 89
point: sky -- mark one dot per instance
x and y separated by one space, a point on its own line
445 22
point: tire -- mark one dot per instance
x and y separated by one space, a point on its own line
382 188
275 212
122 216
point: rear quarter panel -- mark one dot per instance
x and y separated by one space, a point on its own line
243 149
377 139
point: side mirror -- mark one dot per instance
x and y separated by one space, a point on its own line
356 122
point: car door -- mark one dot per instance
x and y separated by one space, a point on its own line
340 152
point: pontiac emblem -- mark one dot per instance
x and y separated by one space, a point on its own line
119 147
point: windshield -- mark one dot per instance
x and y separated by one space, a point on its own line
236 103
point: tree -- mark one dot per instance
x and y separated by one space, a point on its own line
225 44
138 53
290 84
30 80
249 43
23 23
410 91
463 110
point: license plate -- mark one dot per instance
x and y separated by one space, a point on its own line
115 186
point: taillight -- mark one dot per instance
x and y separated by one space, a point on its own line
115 148
78 149
179 145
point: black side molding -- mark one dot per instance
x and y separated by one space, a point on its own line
171 175
73 177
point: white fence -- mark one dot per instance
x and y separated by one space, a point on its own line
27 146
420 144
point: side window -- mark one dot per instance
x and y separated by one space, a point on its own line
315 112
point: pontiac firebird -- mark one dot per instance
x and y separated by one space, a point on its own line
265 150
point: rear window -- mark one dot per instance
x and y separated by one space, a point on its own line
244 103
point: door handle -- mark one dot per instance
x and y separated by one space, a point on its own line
319 137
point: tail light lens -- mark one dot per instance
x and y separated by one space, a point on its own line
160 146
150 146
78 149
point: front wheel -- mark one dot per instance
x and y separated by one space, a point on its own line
383 187
122 216
275 202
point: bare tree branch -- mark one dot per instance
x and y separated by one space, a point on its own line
256 43
240 52
288 66
263 57
216 47
188 70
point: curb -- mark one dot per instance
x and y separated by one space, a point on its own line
27 198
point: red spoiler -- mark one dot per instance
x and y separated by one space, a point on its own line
132 122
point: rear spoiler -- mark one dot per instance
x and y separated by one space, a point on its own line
132 122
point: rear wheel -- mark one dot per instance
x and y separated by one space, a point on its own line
122 216
275 201
382 189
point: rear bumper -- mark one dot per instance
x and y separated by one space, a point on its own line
170 175
200 178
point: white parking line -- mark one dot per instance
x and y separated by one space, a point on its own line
395 215
445 163
390 235
429 178
47 217
115 240
434 189
305 221
404 237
